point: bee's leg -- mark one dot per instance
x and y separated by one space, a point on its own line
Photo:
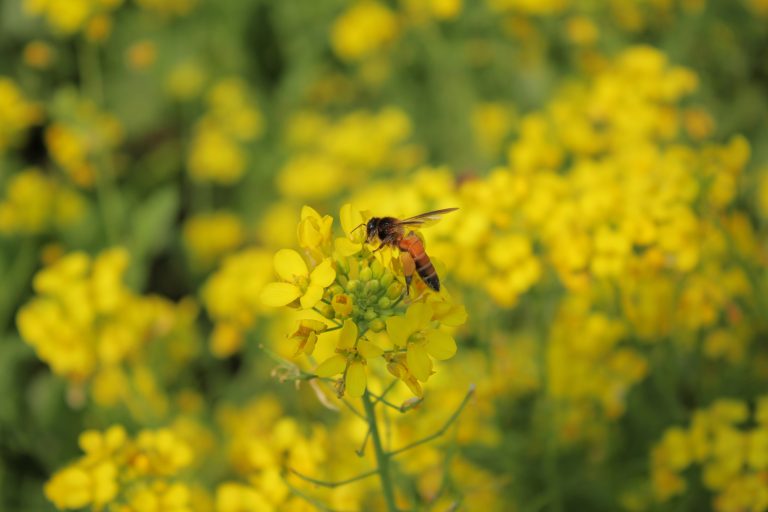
383 245
409 267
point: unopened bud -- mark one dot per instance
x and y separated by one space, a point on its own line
395 290
377 325
325 309
371 286
370 314
377 268
366 274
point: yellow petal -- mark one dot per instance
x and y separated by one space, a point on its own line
334 365
348 335
441 345
356 379
418 315
449 314
323 274
346 247
397 329
350 220
279 294
419 363
308 211
289 264
311 297
368 350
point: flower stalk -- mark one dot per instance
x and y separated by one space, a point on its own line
382 457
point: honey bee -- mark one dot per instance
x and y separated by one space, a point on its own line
391 232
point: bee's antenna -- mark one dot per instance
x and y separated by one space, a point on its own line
358 227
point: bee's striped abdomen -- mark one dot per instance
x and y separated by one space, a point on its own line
413 245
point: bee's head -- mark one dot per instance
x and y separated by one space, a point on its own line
372 229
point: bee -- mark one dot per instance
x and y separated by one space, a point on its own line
391 232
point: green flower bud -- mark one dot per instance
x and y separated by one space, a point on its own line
342 280
353 285
384 302
370 314
371 286
366 274
377 325
343 265
336 290
377 268
395 290
325 309
386 279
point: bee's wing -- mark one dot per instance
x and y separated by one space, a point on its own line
426 218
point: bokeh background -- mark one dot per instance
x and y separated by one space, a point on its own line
610 162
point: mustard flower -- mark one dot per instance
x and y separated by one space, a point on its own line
351 357
298 282
306 335
418 335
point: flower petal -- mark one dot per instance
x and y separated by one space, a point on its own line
398 331
289 264
368 350
419 315
308 211
350 218
323 274
311 297
440 345
348 335
356 379
419 363
279 294
346 247
334 365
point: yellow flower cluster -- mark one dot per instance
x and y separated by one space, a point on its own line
81 139
68 17
332 155
232 297
35 202
92 330
729 444
129 474
587 365
601 192
261 443
341 285
17 114
217 153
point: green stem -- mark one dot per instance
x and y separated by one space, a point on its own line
93 88
382 457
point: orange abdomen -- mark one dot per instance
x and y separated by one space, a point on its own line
414 246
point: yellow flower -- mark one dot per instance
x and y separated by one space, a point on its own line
314 233
298 282
210 236
416 333
306 335
366 27
350 358
352 222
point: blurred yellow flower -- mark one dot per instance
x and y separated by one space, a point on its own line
363 29
210 236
